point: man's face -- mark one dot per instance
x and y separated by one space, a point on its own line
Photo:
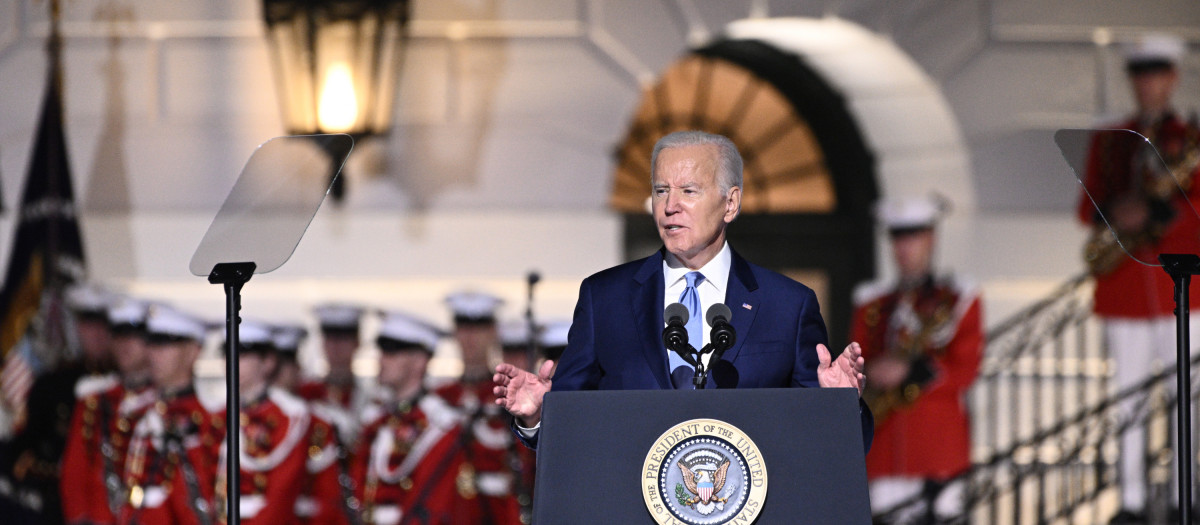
131 355
339 349
477 341
253 369
402 371
1152 90
914 253
689 209
287 377
171 363
95 338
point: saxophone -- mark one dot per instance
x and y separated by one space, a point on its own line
911 348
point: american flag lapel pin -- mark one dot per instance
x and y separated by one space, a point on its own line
747 306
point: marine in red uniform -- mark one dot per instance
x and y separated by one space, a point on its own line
488 441
274 427
1144 203
336 398
411 460
922 339
322 499
170 467
91 486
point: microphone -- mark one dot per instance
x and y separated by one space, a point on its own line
722 334
675 335
533 277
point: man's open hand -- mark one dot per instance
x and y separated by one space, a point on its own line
845 371
520 392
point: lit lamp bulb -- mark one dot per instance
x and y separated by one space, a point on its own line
337 109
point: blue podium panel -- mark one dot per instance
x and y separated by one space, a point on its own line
594 449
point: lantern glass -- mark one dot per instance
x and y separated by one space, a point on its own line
336 62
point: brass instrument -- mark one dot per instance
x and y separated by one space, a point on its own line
883 402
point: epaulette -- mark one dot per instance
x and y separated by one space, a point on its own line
371 413
92 385
439 412
871 291
287 402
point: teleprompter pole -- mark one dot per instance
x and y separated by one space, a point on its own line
1181 268
232 276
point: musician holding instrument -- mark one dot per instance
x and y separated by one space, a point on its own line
922 339
1144 204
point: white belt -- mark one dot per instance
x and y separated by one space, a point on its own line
153 497
387 514
306 507
493 483
251 505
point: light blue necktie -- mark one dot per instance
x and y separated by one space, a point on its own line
695 328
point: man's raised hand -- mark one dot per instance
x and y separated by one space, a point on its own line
520 392
845 371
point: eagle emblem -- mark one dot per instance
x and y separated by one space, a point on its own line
704 471
695 475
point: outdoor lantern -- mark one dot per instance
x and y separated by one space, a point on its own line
337 63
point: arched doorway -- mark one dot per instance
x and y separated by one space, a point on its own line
823 136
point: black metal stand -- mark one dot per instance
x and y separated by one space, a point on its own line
232 276
1181 268
532 350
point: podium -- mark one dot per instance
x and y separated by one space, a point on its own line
601 452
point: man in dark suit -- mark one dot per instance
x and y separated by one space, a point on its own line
615 340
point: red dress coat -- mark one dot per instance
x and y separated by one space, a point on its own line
101 427
417 462
927 434
275 433
1134 290
172 461
323 500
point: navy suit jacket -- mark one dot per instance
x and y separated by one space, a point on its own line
615 341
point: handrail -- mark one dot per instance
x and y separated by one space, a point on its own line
1043 420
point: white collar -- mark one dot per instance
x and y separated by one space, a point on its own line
716 271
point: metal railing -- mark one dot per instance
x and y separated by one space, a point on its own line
1046 427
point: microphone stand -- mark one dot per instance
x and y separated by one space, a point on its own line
531 350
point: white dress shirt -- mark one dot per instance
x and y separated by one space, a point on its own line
711 289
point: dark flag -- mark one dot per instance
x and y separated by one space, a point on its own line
47 251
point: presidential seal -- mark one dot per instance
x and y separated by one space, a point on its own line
704 472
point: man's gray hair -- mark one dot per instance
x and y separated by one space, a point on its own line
729 171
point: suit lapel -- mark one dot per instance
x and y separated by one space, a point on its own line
647 303
742 296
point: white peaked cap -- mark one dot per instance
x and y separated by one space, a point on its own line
164 320
399 326
1156 47
473 305
554 333
254 333
514 332
287 338
88 297
911 212
338 315
128 311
